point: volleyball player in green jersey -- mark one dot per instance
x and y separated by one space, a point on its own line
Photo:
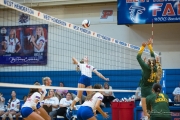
149 70
158 104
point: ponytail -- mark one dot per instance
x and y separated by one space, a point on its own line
96 86
152 63
157 89
159 72
33 90
157 92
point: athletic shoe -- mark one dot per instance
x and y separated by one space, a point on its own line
69 113
145 118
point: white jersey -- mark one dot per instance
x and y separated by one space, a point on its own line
11 44
30 101
91 103
40 40
52 101
107 92
64 101
176 91
13 104
86 69
2 105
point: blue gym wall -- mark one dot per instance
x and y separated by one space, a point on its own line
119 79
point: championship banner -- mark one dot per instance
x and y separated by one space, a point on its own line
23 45
148 11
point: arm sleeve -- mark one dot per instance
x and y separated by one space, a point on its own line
139 59
62 101
151 50
174 92
56 101
92 68
17 41
100 96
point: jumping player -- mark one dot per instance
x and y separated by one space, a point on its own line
149 75
29 106
158 104
84 81
88 109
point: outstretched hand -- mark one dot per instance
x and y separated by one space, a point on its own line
105 115
144 44
157 59
107 79
150 41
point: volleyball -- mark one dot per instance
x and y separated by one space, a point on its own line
3 30
85 23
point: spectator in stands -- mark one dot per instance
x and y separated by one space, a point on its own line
13 107
21 104
176 94
64 103
138 94
108 95
2 103
61 92
83 97
52 102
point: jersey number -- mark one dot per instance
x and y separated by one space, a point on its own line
88 66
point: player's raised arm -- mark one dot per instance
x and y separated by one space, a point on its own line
140 60
74 60
100 75
149 44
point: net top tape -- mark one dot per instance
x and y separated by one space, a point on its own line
51 19
61 88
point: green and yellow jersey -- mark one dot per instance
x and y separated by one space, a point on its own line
148 78
158 106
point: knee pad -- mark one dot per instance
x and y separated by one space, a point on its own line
77 99
3 116
10 116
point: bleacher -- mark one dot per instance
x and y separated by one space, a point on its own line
119 79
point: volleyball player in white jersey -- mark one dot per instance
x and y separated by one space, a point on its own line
11 42
84 81
88 109
40 110
29 106
38 40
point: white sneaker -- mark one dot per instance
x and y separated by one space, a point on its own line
145 118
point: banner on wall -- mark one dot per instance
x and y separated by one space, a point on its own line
146 11
23 45
106 15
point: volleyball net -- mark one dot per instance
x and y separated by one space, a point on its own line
60 41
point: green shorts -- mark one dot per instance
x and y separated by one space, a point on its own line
145 91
